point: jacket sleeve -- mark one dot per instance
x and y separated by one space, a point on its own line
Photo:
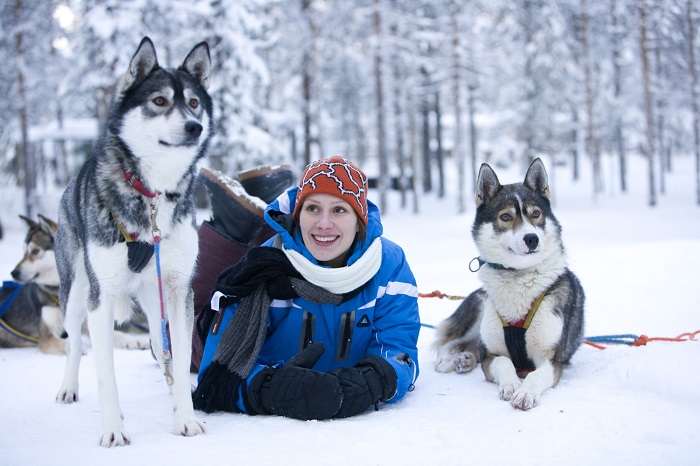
396 320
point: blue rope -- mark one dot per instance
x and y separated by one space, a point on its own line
624 339
15 287
167 358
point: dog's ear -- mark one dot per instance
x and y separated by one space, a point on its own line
198 64
30 223
487 185
48 225
536 178
143 63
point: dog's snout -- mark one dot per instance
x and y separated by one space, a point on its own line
531 241
193 128
15 274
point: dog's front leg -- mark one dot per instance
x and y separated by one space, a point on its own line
101 325
181 317
536 382
500 369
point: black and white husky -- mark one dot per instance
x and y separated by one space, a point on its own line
137 190
526 322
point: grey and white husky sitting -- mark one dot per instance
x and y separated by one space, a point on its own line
526 322
135 191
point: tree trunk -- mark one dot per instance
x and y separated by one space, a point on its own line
306 107
617 96
527 133
456 86
306 81
439 155
648 103
660 105
591 140
381 138
471 109
413 149
25 153
398 124
425 149
574 145
694 96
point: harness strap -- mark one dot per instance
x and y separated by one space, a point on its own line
525 321
13 331
128 237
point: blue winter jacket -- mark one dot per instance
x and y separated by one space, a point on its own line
382 319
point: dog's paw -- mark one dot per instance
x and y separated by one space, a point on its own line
118 438
67 395
190 428
507 389
464 361
524 400
130 341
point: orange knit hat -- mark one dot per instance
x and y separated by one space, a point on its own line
336 176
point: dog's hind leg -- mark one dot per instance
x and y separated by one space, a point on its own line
73 321
457 338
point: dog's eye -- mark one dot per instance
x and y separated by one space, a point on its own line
506 217
159 101
36 251
194 103
536 214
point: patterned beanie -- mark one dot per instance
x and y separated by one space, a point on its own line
336 176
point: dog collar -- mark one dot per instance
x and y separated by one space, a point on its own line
481 262
138 185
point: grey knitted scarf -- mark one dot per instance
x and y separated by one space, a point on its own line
244 336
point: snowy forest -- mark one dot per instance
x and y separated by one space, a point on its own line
406 88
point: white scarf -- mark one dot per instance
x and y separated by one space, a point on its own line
342 279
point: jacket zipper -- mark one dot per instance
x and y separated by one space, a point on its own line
308 322
347 323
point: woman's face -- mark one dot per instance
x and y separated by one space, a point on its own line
328 227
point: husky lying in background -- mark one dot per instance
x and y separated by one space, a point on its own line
34 316
136 192
527 320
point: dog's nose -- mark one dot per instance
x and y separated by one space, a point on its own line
193 128
531 241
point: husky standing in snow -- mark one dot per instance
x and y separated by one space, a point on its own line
131 206
526 322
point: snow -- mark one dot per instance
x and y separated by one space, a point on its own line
621 405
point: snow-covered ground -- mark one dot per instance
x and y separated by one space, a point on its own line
618 406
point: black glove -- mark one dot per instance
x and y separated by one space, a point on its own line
365 384
295 390
139 253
